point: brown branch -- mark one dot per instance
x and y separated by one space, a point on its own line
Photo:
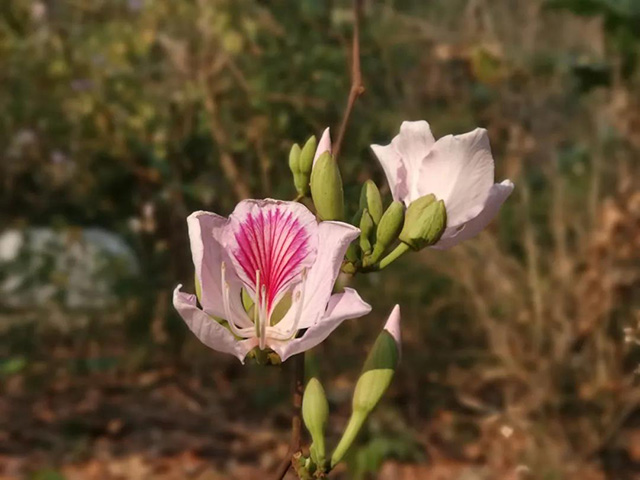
296 420
357 88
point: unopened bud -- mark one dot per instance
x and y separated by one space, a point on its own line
306 156
377 373
300 180
371 200
380 365
425 220
388 230
315 412
366 231
294 159
326 188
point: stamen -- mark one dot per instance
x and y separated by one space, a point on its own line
226 302
256 305
264 318
299 298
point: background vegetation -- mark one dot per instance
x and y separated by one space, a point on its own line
119 117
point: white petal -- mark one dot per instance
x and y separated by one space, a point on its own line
342 306
459 170
413 144
205 233
333 240
394 170
498 193
402 159
208 331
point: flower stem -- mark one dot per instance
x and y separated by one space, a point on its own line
350 433
396 253
296 419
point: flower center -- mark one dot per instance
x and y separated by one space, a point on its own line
262 316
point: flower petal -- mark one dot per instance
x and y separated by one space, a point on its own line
324 145
402 159
342 306
393 169
334 239
205 234
459 170
278 239
498 193
208 331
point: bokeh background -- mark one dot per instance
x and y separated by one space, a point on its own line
120 117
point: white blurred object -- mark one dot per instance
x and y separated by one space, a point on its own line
78 267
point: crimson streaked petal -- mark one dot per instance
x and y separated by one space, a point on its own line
278 239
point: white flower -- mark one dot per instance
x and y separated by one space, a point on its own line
287 262
457 169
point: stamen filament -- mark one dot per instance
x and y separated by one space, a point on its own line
299 298
256 305
264 318
226 302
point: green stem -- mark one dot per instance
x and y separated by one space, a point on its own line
350 433
396 253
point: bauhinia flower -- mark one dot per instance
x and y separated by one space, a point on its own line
264 278
457 169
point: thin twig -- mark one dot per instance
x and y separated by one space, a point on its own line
356 77
296 420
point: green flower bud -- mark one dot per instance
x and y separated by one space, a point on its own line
315 412
326 188
300 180
371 200
388 230
306 156
377 373
376 376
366 231
425 220
294 159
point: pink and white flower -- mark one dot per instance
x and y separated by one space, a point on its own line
457 169
285 261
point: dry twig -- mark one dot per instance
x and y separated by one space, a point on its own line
357 88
